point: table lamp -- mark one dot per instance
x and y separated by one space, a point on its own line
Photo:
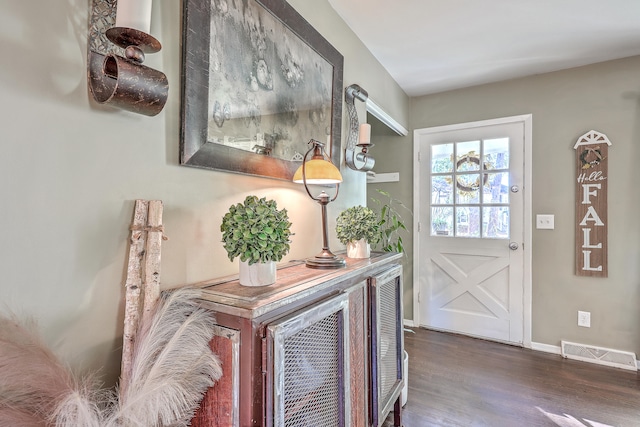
320 170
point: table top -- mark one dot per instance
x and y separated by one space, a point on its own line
294 280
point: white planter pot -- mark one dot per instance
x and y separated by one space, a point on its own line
358 249
258 274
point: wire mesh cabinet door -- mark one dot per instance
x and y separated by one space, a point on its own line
387 342
308 367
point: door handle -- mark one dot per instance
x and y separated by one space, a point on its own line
513 246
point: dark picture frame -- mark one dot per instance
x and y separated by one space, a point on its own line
287 108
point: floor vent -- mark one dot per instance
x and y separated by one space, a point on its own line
599 355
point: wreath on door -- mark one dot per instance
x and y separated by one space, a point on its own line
472 158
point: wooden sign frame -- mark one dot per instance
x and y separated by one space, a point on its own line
592 150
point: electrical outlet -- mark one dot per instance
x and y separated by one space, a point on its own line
584 319
545 222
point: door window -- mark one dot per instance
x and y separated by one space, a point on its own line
470 189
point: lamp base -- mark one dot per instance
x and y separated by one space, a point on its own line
326 260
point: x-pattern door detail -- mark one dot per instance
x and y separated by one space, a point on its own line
471 216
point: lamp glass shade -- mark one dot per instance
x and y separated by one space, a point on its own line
318 171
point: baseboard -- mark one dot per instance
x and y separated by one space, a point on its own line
409 323
547 348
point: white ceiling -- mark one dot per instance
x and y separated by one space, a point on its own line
430 46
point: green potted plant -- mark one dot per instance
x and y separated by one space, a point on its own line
358 228
390 222
258 233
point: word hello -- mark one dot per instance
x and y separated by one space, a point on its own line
593 177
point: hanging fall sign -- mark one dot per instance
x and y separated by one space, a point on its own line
591 204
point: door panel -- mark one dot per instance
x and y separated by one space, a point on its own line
469 292
470 200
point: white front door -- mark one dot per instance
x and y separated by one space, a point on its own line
470 259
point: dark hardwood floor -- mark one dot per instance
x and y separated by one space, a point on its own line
460 381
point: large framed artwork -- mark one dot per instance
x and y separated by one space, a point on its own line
258 82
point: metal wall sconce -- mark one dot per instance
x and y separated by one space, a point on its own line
362 160
115 54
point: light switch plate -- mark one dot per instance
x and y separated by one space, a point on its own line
584 319
545 222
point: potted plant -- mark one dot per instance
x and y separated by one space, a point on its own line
390 222
258 233
358 228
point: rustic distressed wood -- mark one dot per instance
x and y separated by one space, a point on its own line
295 282
359 362
133 284
220 406
591 204
250 310
151 285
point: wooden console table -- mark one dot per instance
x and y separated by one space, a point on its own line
318 347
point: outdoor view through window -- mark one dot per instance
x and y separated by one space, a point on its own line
470 189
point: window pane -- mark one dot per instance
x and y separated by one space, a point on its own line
468 156
468 221
495 222
442 190
477 173
442 158
496 153
496 188
442 221
468 188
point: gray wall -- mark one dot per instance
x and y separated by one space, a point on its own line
565 105
71 170
391 152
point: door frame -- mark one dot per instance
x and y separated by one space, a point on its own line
527 121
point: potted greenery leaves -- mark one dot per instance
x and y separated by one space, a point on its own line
258 233
390 222
358 228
